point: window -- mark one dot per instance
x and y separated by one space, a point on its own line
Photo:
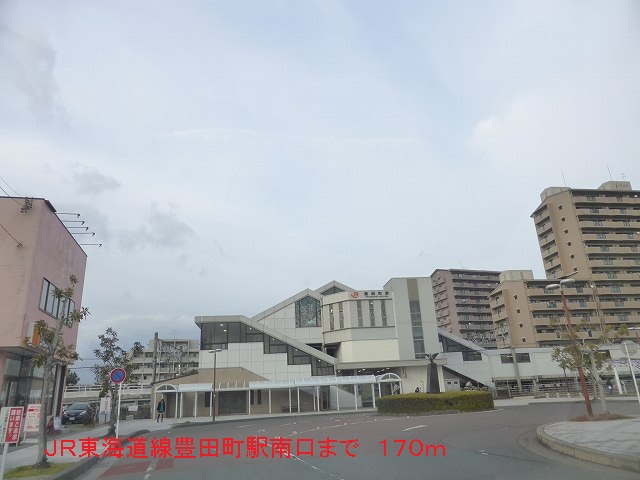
372 315
608 261
597 223
308 312
52 305
604 248
591 198
330 317
615 289
523 358
601 235
383 309
612 275
471 356
506 358
360 321
341 315
595 210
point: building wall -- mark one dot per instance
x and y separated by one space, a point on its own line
462 303
593 237
406 290
47 251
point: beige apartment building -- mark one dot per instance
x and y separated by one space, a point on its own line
591 236
171 358
461 300
37 254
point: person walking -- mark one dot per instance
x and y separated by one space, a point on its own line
160 409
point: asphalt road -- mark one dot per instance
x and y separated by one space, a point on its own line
500 444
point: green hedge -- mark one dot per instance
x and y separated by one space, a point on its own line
417 403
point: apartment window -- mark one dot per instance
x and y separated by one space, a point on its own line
629 235
582 303
372 315
595 210
523 357
601 235
623 210
566 231
383 309
618 199
615 289
604 248
579 289
619 303
623 317
612 275
597 223
626 223
634 248
591 198
608 261
360 321
341 315
517 310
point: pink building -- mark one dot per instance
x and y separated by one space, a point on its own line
37 252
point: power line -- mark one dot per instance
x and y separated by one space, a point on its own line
10 188
18 243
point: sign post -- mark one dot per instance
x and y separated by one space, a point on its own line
10 425
117 376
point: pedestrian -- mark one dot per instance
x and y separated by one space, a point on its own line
160 409
609 387
417 389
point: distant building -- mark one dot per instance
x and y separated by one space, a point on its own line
174 357
461 300
591 236
37 253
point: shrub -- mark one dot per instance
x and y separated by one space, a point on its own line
418 403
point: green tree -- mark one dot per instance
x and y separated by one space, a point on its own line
112 355
52 351
72 378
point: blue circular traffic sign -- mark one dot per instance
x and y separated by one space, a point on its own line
118 375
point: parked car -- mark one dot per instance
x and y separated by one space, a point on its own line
79 413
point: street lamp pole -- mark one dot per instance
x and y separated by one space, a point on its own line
572 336
214 397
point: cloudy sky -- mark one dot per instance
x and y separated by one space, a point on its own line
230 154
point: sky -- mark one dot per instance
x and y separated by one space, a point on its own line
229 155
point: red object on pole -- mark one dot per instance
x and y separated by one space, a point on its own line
572 334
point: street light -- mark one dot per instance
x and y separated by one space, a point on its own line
213 400
572 336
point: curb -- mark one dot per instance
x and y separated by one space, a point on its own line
626 462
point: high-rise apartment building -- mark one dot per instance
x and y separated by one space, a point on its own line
461 300
591 236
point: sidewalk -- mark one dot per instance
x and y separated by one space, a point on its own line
615 443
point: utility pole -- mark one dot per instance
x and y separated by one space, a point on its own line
155 357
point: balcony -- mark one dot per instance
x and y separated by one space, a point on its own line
549 251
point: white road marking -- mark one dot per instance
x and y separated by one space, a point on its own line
413 428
